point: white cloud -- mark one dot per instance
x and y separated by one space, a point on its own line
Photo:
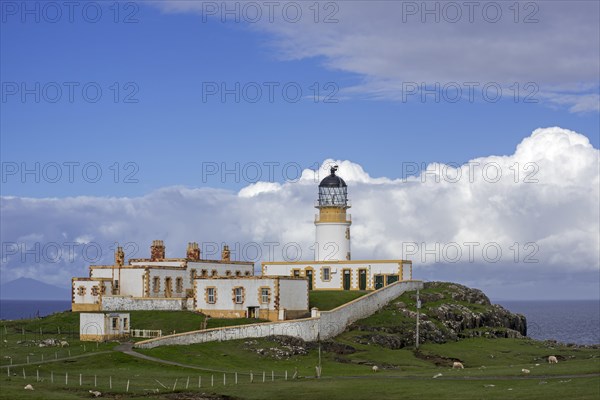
554 44
546 199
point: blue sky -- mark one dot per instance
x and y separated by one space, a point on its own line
171 131
166 130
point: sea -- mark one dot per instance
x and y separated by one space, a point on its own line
568 321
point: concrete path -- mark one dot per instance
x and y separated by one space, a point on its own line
127 348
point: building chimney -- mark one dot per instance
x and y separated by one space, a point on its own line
193 251
226 254
119 257
157 250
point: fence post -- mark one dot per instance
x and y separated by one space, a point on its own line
110 382
79 379
24 377
224 379
42 356
51 377
127 390
272 375
199 381
236 378
264 376
251 377
56 355
286 374
66 378
8 371
95 380
37 375
212 380
175 384
28 359
187 383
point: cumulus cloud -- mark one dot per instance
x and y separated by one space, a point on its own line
391 44
533 214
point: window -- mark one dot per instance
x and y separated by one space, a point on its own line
204 273
214 272
102 289
192 275
115 323
228 273
238 295
95 290
116 284
296 273
156 284
265 294
238 273
125 324
247 273
326 273
179 285
211 295
81 290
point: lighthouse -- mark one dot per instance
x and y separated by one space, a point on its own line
332 222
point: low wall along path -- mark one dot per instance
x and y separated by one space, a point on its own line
325 326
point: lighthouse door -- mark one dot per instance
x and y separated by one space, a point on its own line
362 279
346 279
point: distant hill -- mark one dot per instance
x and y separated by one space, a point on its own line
31 289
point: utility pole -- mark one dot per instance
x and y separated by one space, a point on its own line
417 330
319 366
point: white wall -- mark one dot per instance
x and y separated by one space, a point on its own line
372 267
91 324
293 294
331 242
87 298
329 324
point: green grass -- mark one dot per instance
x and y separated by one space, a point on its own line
326 300
492 366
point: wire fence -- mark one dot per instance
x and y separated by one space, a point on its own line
142 384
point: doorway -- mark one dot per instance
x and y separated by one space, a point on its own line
167 287
347 279
252 312
309 275
362 279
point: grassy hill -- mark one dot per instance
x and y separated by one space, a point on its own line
486 339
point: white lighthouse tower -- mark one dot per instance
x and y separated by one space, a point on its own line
332 222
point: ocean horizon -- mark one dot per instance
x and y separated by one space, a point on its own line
566 321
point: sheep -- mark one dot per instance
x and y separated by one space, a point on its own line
95 393
437 375
28 387
375 368
525 371
457 365
552 360
64 343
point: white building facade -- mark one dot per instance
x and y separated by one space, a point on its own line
270 298
100 327
149 280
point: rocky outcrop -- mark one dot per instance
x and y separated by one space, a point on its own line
449 312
